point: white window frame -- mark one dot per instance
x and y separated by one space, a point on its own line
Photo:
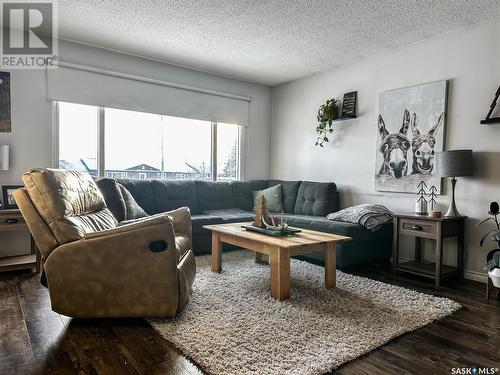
101 152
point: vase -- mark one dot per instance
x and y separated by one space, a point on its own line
494 275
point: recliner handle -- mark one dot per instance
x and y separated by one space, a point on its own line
158 246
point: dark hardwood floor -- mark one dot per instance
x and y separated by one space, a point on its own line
35 340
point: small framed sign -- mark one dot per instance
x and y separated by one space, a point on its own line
349 104
8 198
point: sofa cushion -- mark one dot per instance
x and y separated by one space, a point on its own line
243 192
272 197
214 195
231 214
358 232
114 198
289 190
132 209
142 192
316 198
199 220
170 195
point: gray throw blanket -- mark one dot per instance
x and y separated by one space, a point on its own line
371 216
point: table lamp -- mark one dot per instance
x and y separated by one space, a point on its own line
456 163
4 157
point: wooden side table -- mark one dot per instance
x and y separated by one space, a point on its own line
437 229
11 219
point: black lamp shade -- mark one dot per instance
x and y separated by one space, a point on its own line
456 163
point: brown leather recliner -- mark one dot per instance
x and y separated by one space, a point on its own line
96 267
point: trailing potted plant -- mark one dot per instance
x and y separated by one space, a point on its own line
493 258
326 114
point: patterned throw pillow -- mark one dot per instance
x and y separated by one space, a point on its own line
273 198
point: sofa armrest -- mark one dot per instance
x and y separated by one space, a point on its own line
116 273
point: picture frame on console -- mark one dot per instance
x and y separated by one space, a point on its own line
7 196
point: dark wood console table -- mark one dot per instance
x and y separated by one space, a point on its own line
437 229
11 219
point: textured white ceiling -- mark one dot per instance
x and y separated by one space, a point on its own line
264 41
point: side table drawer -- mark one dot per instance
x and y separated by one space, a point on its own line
11 221
417 228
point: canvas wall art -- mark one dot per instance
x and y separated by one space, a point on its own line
411 123
5 126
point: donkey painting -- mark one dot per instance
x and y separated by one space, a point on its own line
406 157
394 147
423 146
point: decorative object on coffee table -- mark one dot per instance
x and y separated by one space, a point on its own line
279 250
4 157
421 203
436 229
326 114
492 120
277 223
260 212
8 198
456 163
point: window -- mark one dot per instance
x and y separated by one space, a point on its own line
228 143
187 149
78 137
126 144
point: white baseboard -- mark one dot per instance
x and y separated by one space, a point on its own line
469 275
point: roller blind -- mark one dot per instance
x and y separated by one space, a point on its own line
93 86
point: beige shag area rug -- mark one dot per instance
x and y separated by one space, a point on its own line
232 326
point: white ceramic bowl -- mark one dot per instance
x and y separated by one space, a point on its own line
495 277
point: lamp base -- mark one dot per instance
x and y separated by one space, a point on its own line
452 208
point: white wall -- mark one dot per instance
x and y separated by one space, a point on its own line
31 136
468 58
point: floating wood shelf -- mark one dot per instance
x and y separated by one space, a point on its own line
493 120
343 119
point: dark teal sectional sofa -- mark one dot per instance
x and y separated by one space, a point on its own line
306 205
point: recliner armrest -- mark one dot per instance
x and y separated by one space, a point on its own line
180 218
130 226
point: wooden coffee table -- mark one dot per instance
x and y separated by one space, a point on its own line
279 250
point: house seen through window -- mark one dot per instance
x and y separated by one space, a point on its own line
118 143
